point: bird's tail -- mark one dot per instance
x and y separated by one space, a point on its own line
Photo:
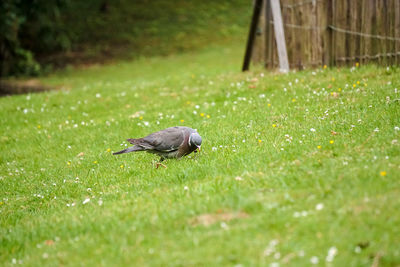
127 150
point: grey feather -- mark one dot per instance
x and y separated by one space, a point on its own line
129 149
173 142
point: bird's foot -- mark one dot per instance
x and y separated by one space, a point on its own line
158 164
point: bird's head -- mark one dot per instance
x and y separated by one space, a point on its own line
195 140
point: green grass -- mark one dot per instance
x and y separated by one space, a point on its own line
276 177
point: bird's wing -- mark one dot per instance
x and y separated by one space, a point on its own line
166 140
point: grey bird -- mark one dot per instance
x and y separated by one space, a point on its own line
173 142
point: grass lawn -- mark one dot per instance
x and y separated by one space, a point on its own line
296 169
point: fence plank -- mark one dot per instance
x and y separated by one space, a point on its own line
340 40
365 27
301 41
329 32
397 29
389 30
314 36
393 31
383 30
357 33
358 28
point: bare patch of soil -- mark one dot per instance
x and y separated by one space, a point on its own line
22 87
210 218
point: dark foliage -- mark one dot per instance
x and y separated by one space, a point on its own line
27 27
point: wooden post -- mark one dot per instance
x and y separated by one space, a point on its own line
279 36
268 43
252 33
259 46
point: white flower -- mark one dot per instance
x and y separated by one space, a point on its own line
238 178
312 130
396 128
271 247
376 129
214 148
314 260
331 254
87 200
273 243
98 95
185 188
319 206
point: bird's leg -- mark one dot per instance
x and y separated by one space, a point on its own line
158 164
196 153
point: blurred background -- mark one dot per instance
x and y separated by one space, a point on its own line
39 36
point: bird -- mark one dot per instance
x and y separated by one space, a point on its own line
173 142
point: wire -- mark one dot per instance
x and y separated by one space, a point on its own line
364 34
334 28
369 57
301 4
296 26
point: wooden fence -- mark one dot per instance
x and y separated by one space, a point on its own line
330 32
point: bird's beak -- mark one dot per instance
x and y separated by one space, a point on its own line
198 148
